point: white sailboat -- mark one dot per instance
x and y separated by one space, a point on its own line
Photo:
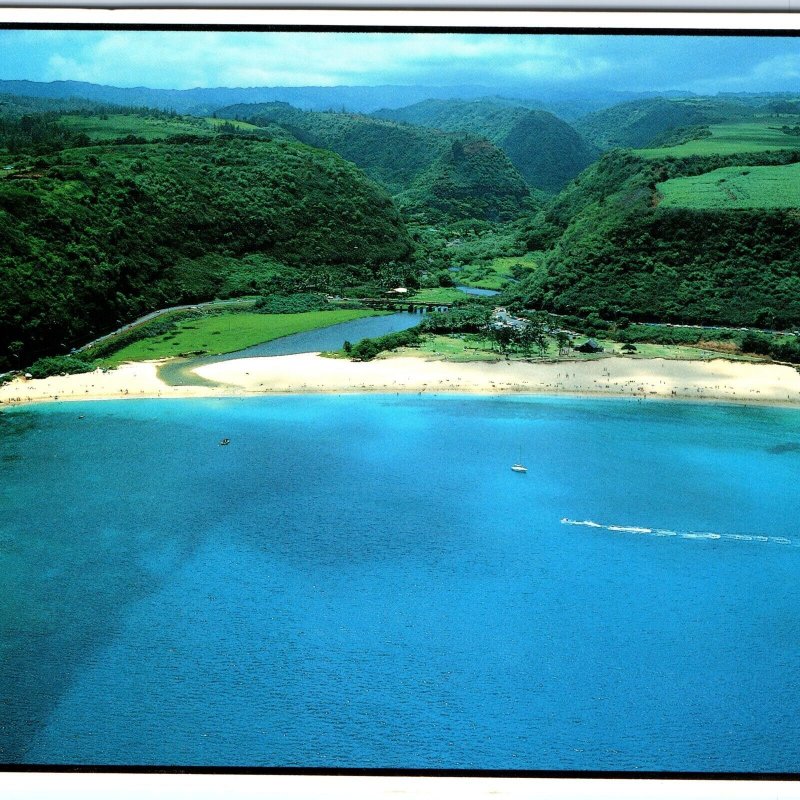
518 467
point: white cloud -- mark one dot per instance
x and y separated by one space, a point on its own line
784 67
186 59
181 59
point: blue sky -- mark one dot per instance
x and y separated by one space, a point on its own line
184 60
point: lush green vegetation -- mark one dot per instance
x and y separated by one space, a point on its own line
443 294
107 213
367 349
735 187
780 348
614 253
96 235
452 347
117 126
469 316
499 271
471 180
150 125
226 333
546 150
390 153
638 122
16 105
729 138
59 365
35 135
479 347
291 303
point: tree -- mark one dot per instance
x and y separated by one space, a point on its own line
502 335
562 340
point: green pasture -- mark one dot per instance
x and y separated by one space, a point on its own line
735 187
238 124
117 126
505 264
444 294
674 352
497 273
733 137
472 347
228 332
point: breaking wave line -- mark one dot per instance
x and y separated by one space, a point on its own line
635 529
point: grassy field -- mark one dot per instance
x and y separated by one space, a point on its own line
496 274
450 348
115 126
238 124
474 348
439 295
734 137
680 352
735 187
228 332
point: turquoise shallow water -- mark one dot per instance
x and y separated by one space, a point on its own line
363 582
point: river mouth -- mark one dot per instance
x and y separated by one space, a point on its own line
181 372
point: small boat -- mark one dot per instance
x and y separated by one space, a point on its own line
518 468
224 442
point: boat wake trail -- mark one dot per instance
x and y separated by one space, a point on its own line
728 537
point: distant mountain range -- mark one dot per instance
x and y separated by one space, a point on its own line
362 99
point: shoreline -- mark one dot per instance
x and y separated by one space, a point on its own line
714 381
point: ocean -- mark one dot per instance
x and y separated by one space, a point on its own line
363 582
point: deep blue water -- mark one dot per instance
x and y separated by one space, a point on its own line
363 582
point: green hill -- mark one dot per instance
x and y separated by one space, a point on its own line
619 251
93 236
546 150
390 153
473 179
640 122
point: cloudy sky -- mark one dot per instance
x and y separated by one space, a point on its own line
184 60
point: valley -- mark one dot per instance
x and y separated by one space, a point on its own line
691 221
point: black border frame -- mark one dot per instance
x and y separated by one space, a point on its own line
351 772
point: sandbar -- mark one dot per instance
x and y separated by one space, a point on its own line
718 380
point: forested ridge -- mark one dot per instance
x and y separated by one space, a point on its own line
639 122
94 236
547 151
612 251
391 153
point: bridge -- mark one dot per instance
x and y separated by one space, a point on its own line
402 304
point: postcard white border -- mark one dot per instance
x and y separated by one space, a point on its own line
103 786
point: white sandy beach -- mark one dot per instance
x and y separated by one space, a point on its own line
721 380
